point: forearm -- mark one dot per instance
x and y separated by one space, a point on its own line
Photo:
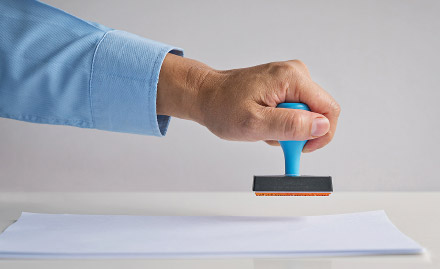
59 69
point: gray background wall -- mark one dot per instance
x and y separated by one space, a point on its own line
379 59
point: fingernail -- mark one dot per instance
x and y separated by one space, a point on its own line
320 127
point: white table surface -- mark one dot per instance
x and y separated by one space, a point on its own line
417 214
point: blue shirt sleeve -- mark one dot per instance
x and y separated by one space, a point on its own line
58 69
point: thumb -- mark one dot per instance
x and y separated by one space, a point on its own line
293 124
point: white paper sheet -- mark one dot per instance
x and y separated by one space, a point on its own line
100 236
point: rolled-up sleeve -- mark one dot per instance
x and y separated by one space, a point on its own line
58 69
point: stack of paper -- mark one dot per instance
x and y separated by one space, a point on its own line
99 236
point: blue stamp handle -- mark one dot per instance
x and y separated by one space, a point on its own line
292 149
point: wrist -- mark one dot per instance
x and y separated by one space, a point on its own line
180 87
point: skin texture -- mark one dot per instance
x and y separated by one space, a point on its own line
240 104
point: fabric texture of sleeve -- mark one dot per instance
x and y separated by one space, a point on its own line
58 69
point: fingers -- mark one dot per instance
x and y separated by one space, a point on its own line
331 112
303 89
292 124
272 143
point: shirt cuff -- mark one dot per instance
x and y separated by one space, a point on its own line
123 84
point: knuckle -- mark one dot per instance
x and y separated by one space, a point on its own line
336 108
293 125
281 69
301 66
293 68
300 63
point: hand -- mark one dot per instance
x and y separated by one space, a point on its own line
240 104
